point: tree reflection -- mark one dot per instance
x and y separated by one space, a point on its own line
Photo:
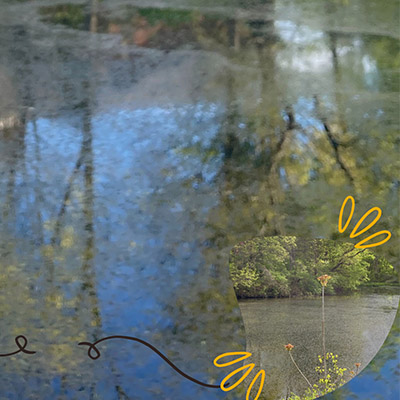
294 141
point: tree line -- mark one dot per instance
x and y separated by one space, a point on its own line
286 266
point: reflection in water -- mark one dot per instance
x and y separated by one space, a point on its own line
138 156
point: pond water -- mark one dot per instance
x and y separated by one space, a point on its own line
356 327
140 142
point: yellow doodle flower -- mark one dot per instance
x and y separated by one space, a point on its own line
248 368
355 232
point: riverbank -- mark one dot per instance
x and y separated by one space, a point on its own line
380 287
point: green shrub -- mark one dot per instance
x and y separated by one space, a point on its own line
335 378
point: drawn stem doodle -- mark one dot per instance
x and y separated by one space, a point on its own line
92 347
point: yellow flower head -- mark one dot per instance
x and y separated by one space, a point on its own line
289 347
324 279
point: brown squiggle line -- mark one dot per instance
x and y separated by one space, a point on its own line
20 347
92 346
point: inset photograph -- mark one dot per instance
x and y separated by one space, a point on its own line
315 311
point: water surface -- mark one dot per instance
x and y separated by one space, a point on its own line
139 143
356 327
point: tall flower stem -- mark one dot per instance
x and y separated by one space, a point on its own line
323 279
323 329
294 362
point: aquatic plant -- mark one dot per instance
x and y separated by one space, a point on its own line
330 380
324 281
332 376
289 348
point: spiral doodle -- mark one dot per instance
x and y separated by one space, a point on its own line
20 346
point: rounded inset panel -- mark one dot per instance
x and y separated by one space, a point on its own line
315 311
